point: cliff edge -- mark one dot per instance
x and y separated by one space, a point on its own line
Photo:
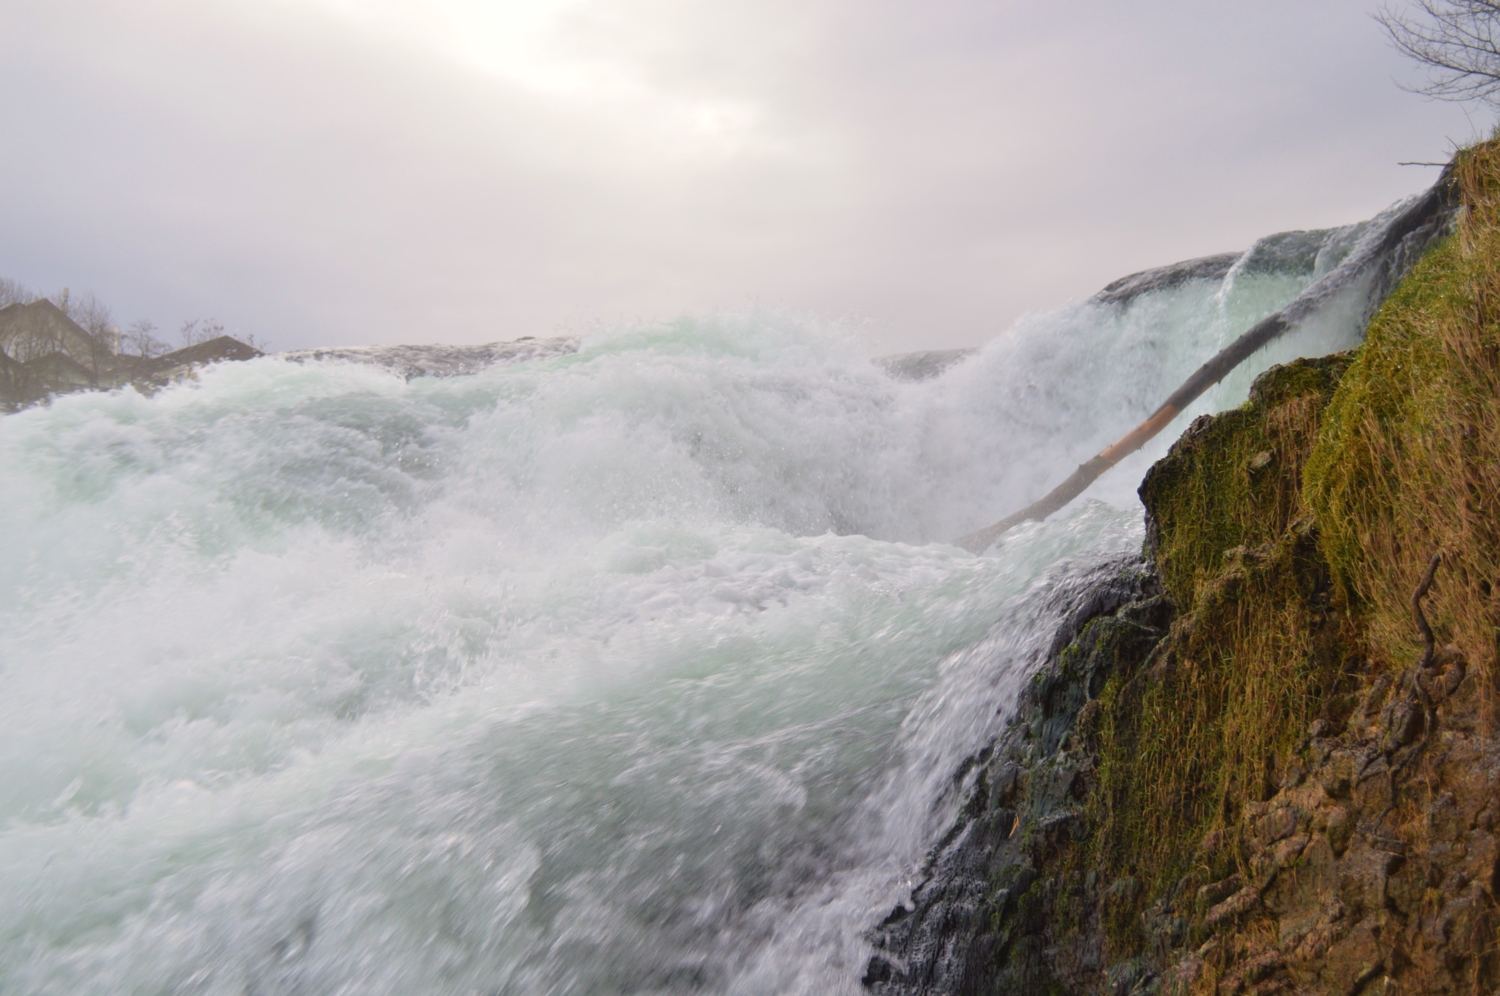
1275 765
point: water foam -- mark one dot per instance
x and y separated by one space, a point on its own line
635 669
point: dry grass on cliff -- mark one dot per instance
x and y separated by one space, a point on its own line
1250 662
1408 461
1291 533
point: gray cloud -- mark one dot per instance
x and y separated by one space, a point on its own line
333 174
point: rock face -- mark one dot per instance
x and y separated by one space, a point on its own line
1371 867
924 365
1275 768
1355 853
439 360
985 916
1375 859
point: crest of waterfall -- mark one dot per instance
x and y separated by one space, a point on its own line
636 664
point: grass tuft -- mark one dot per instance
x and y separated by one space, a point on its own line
1408 460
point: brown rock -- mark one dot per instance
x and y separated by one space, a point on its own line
1337 775
1354 960
1312 884
1233 907
1363 872
1289 850
1306 941
1373 791
1277 824
1258 967
1216 892
1340 828
1179 979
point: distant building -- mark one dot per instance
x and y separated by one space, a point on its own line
11 377
30 331
44 352
60 372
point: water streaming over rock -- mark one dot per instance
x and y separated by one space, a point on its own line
635 669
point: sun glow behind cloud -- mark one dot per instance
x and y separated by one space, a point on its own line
597 59
507 38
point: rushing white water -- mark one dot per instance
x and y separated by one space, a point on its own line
636 670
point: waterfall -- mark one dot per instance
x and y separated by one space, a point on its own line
635 667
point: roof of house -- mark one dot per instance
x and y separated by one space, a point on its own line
210 351
59 366
29 331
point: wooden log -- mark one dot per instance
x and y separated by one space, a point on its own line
1437 202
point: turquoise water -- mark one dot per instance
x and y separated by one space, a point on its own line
643 669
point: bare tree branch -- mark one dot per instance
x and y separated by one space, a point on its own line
140 339
14 293
1458 41
199 330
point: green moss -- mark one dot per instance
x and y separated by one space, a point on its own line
1234 480
1205 724
1289 534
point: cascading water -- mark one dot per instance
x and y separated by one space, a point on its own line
619 671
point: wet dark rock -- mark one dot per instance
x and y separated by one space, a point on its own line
1127 289
983 917
1366 860
438 360
924 365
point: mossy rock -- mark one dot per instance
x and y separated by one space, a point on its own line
1233 481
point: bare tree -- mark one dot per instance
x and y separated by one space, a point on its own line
1458 41
12 292
93 315
140 339
199 330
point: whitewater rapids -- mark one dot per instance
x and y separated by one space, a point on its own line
642 669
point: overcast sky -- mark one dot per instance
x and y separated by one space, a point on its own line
348 171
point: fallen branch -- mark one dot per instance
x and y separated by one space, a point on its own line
1436 201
